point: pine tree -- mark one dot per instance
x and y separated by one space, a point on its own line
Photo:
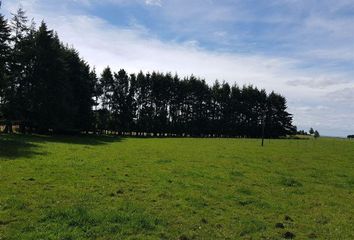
132 103
97 87
145 113
161 92
4 61
316 134
311 131
225 107
104 116
121 114
80 90
235 106
52 108
107 88
279 121
215 109
4 48
21 67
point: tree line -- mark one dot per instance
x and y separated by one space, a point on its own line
45 86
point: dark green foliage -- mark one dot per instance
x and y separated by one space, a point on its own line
311 131
122 102
144 103
49 87
18 86
107 88
4 59
278 120
46 87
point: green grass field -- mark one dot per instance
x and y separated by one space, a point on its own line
131 188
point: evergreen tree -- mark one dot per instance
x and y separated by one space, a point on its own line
225 108
107 85
316 134
198 101
121 113
53 94
235 111
279 121
311 131
176 100
132 103
80 89
97 88
4 61
17 91
215 108
160 93
144 104
104 116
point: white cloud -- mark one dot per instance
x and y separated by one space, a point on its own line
322 81
154 2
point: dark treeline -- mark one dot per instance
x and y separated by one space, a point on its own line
46 87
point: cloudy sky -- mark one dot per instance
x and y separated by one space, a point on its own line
303 49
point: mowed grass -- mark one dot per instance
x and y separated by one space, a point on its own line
185 188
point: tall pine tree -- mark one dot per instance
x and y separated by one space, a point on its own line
4 61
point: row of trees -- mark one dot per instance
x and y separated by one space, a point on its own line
311 132
45 86
315 133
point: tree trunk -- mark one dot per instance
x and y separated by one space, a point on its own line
8 127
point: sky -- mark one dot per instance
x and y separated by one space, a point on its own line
302 49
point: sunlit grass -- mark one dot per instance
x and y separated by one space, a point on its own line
185 188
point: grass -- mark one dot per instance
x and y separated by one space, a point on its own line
129 188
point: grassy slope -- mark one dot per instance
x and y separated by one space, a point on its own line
109 188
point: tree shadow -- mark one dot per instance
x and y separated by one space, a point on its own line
13 146
74 139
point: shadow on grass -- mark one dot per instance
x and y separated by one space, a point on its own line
75 139
13 146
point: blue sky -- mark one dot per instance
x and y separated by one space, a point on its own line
303 49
